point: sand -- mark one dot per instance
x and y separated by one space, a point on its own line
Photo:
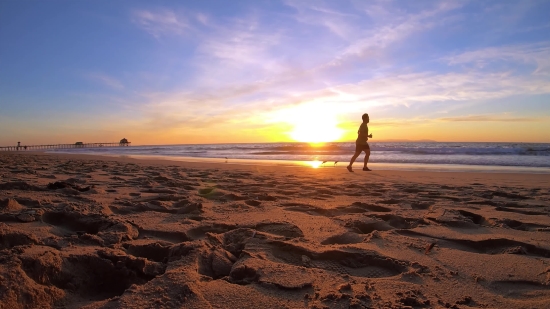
81 231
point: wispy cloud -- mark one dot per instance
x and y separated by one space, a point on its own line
537 55
320 14
161 22
240 50
426 88
481 118
491 118
106 80
245 68
392 26
199 110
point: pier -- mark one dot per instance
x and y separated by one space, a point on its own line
19 147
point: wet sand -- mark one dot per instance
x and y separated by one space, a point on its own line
80 231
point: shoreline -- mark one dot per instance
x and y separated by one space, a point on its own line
317 164
421 176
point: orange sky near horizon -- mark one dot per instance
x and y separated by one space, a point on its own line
531 132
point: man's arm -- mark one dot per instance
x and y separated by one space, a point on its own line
367 132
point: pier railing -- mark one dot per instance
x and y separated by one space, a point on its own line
62 146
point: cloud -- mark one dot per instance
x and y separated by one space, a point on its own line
106 80
202 110
366 36
319 13
251 103
247 68
247 51
432 87
162 22
241 44
537 54
395 122
491 118
202 18
250 48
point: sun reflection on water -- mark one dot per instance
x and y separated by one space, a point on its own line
314 164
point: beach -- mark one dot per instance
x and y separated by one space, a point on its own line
85 231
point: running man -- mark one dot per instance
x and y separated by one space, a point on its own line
361 143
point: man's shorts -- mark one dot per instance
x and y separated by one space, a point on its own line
361 147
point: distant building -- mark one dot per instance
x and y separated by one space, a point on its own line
79 144
124 142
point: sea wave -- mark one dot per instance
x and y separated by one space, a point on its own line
490 154
522 151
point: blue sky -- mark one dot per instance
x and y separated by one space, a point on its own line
160 72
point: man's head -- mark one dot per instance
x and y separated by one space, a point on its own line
365 118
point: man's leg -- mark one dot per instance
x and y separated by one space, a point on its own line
355 155
367 155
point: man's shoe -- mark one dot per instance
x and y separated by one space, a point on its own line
366 169
349 169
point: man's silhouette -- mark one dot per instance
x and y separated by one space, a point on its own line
361 143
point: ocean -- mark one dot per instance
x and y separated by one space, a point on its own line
515 157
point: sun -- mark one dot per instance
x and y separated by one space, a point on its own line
312 122
315 132
316 128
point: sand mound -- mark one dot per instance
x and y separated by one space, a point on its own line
10 205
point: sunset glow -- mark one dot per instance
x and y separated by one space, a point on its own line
316 130
314 164
311 122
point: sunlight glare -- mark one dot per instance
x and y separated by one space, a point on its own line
314 164
314 124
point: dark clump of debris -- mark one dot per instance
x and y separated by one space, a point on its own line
62 185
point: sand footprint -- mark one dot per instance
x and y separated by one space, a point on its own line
488 246
367 264
520 289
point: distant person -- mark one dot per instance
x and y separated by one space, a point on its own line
361 143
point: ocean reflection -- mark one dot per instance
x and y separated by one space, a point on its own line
314 164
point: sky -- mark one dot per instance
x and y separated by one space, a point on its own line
185 72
